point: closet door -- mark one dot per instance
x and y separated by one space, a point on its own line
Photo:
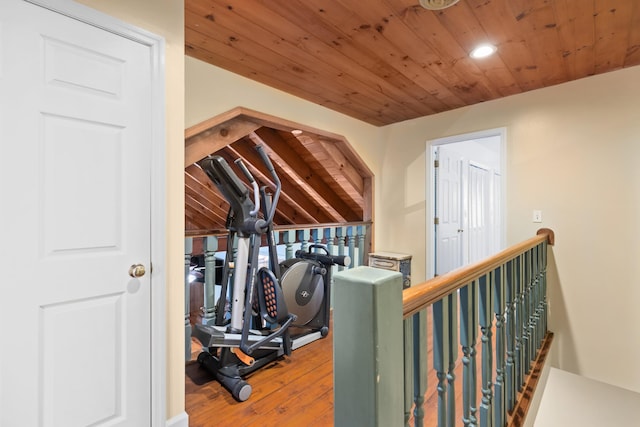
75 165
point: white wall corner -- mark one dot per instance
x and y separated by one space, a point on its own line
180 420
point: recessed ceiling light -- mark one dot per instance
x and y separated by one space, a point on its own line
296 132
483 51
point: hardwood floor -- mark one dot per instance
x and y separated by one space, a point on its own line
296 391
292 391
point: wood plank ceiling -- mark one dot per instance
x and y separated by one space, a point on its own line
382 62
385 61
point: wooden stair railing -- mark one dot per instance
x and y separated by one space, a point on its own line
494 311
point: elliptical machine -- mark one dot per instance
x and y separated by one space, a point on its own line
269 314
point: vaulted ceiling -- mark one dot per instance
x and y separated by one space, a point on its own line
385 61
382 62
323 180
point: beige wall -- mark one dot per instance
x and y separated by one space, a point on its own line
166 18
210 91
572 152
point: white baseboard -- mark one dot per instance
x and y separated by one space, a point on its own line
180 420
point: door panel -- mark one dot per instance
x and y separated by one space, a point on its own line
81 214
479 227
75 132
83 391
448 210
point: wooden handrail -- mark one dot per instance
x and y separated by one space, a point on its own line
420 296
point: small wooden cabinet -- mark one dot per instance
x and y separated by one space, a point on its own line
393 261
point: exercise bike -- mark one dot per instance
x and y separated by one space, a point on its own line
269 311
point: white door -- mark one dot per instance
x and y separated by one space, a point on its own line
496 212
448 228
479 223
75 144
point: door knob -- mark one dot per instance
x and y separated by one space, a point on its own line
137 270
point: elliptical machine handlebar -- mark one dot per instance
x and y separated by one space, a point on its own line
268 216
252 181
245 212
325 258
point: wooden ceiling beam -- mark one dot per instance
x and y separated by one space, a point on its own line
292 195
305 175
309 148
205 185
213 203
336 161
291 180
195 213
286 213
208 141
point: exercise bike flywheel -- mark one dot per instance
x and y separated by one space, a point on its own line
303 287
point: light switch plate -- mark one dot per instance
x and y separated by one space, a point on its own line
537 216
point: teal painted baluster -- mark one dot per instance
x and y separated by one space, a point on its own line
361 230
445 353
511 339
531 310
408 368
541 294
525 315
351 243
499 407
277 241
543 272
316 237
468 338
341 232
419 366
537 300
533 319
188 249
519 303
304 239
232 270
526 333
209 309
453 357
330 236
289 238
440 337
486 320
